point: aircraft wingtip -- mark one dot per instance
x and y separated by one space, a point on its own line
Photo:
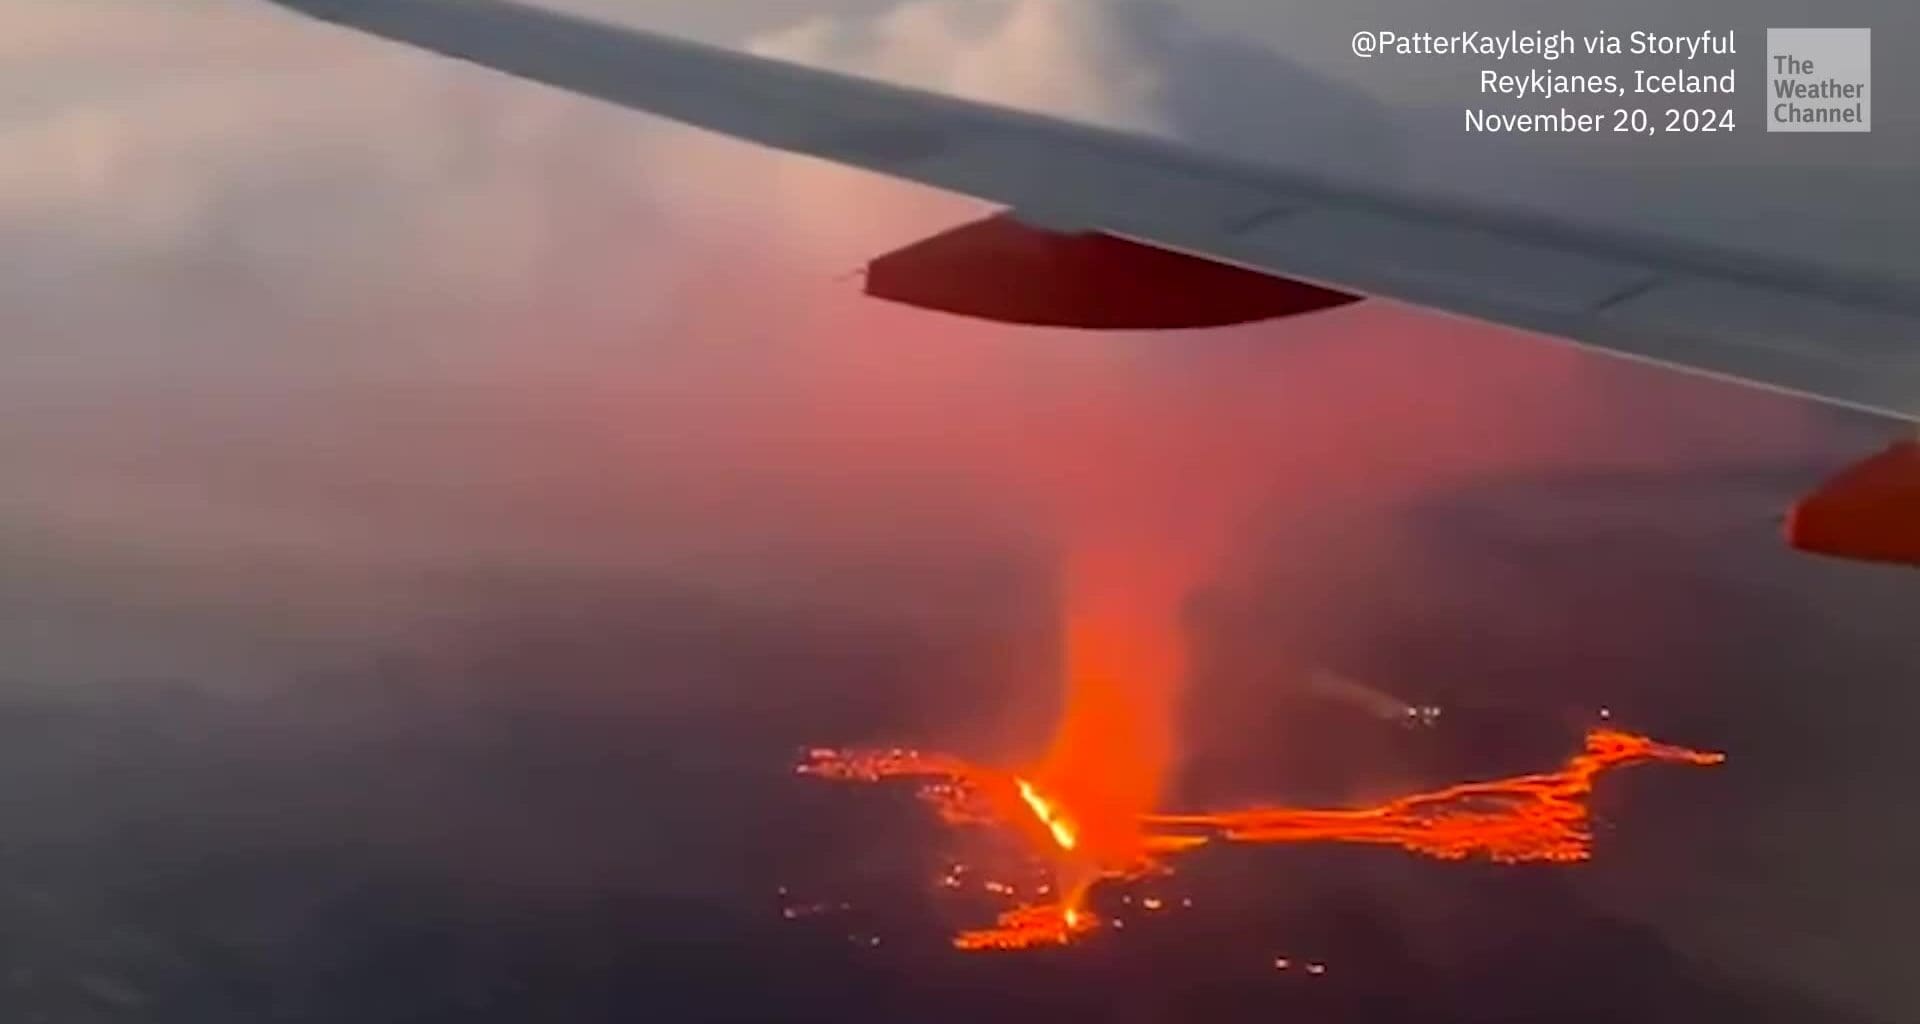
1870 512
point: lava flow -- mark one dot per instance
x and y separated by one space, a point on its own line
1526 818
1541 817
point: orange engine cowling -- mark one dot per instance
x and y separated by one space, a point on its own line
1870 512
1007 271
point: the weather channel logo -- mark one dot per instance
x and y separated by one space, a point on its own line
1818 79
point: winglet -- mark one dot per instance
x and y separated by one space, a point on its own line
1870 512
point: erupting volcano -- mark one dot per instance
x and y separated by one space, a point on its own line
1090 807
1537 817
1146 485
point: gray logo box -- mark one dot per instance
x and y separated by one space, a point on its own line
1819 79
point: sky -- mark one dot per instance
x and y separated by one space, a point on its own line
321 358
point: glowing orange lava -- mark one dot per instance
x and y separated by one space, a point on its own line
1541 817
1122 662
1057 824
1526 818
1044 924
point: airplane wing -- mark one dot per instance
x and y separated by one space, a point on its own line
1837 336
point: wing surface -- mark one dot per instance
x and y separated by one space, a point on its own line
1841 336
